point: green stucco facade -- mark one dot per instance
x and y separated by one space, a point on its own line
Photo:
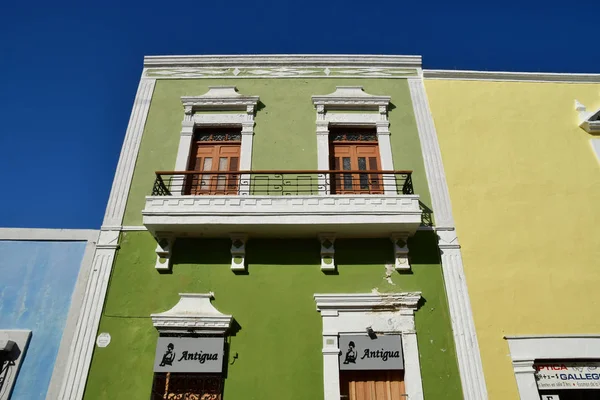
278 333
284 134
278 341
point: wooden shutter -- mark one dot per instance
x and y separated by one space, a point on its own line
356 157
372 385
209 157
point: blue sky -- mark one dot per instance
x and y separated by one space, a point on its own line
70 71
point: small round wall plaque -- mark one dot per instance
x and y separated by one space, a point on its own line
103 339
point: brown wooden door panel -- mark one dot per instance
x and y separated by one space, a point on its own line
213 158
372 385
362 157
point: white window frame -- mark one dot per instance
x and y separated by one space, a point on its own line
390 313
356 99
218 98
524 350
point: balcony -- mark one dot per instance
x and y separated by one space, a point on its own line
282 203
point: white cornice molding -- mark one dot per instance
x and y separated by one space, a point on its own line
510 76
194 311
346 97
25 234
367 302
219 97
287 60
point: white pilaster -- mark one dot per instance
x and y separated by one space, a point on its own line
80 353
82 347
525 376
412 369
463 326
122 182
331 367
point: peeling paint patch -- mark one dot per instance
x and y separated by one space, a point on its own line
389 270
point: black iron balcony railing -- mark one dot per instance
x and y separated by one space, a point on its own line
281 183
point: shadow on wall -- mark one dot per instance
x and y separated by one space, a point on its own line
423 250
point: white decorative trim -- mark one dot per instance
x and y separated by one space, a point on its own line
463 326
525 349
282 72
59 235
278 60
222 98
81 349
595 143
588 121
218 98
238 250
194 313
282 66
510 76
384 313
87 324
350 98
400 243
327 251
379 215
354 98
132 228
164 249
124 173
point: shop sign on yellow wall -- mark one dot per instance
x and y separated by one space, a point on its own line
568 375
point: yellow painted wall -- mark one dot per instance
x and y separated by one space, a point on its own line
525 191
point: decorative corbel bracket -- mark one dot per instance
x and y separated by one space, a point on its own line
400 242
327 251
238 252
164 249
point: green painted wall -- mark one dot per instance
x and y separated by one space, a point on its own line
285 128
279 343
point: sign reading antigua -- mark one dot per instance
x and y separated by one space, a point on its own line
174 354
363 353
568 375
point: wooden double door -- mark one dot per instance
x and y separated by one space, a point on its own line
372 385
215 164
355 157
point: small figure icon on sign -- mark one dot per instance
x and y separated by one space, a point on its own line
169 356
350 354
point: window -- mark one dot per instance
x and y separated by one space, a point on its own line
355 150
214 150
186 386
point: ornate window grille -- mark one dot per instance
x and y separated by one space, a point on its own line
353 136
187 386
218 136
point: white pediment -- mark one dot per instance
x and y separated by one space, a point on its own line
193 313
588 121
220 98
351 97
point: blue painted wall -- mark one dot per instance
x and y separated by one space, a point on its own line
37 280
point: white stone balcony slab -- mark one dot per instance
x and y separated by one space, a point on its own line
347 215
282 203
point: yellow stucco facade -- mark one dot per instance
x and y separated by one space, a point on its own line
525 190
